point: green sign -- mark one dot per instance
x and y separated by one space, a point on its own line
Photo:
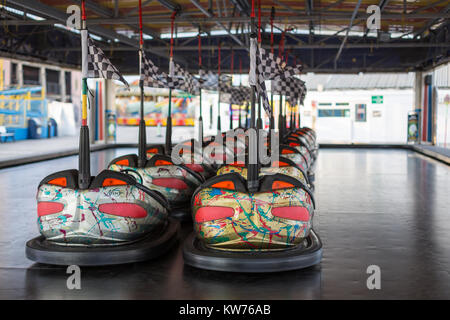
377 99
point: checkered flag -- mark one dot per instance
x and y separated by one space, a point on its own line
99 66
300 90
185 81
256 76
202 76
292 101
151 76
240 94
289 87
224 84
175 79
208 80
303 94
273 68
302 97
153 83
293 88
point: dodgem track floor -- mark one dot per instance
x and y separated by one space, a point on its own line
375 207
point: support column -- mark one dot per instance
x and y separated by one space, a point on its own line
418 91
19 74
2 74
7 67
434 107
418 101
43 79
62 84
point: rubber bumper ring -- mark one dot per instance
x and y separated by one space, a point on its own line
195 254
42 251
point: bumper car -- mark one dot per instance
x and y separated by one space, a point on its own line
306 150
216 153
283 166
153 166
299 156
114 220
192 157
236 230
305 140
176 182
107 219
155 169
291 162
251 221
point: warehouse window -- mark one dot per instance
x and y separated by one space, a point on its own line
52 77
323 113
68 83
13 75
30 75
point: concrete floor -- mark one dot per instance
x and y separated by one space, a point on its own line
31 148
27 148
388 208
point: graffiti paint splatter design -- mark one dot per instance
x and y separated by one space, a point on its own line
252 227
82 223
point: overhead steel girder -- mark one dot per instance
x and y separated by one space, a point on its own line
429 24
220 24
287 7
136 9
107 13
383 4
355 11
241 19
292 47
353 70
331 5
243 7
170 5
61 16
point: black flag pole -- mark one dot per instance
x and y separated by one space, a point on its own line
168 147
142 152
200 118
253 168
281 124
280 117
84 160
219 127
259 120
231 104
272 120
240 86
